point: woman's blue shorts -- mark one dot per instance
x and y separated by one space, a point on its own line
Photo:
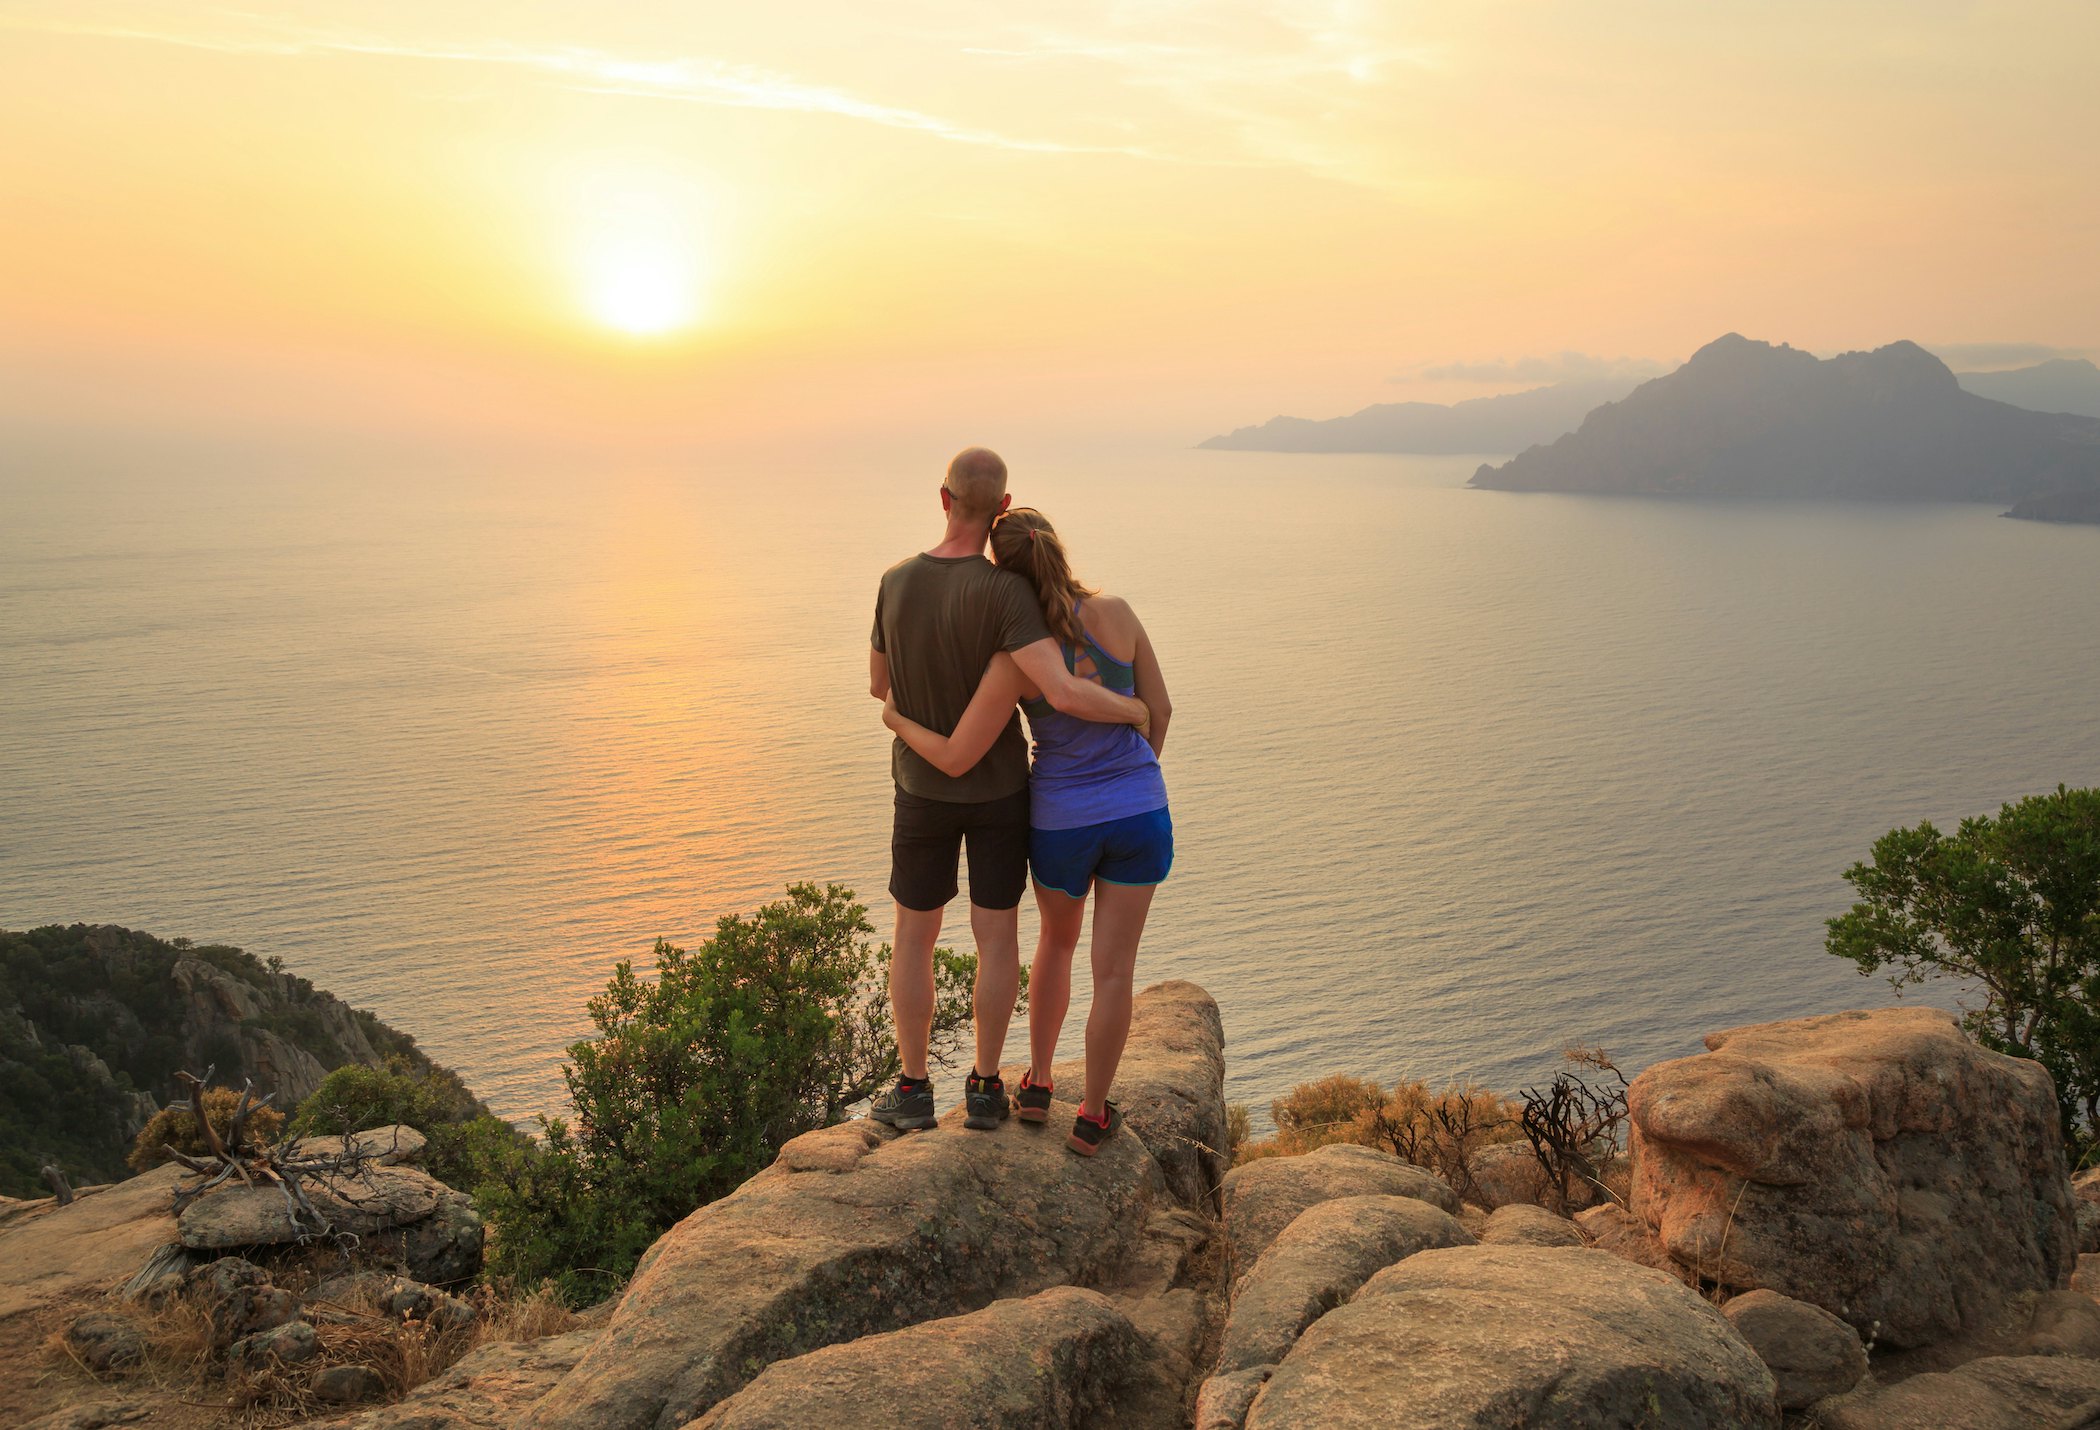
1137 849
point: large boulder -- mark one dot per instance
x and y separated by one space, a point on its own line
1521 1224
1317 1263
1614 1229
1877 1164
1170 1085
1994 1393
443 1248
1811 1353
852 1231
2064 1323
1550 1338
382 1197
1056 1359
1263 1197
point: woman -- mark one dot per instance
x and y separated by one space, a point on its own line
1097 812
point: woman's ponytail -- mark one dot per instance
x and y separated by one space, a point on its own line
1023 540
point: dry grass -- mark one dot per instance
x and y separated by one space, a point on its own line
183 1366
1437 1128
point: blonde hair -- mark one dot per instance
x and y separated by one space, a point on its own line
1023 540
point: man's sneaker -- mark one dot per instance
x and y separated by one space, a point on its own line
984 1102
908 1107
1088 1135
1032 1103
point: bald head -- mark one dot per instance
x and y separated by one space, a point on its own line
977 481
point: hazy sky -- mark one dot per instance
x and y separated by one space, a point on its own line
681 223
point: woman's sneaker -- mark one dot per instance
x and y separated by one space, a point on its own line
1088 1135
908 1106
1032 1103
984 1102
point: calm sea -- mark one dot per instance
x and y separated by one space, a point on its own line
1458 777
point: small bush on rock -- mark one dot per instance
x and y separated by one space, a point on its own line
775 1026
2011 903
178 1128
356 1098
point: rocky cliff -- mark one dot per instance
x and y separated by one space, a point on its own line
1861 1221
95 1020
1750 419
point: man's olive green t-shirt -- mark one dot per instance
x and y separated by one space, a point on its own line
940 620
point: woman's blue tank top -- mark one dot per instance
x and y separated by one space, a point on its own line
1087 773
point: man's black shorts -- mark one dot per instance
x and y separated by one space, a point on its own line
928 835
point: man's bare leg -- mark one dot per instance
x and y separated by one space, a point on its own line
998 934
911 983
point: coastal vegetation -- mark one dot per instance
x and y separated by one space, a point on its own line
694 1079
2011 905
95 1022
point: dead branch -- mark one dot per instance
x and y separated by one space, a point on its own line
290 1164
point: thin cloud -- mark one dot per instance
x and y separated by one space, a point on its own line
1556 367
690 80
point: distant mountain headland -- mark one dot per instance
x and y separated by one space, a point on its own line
2059 385
1754 419
1483 424
96 1020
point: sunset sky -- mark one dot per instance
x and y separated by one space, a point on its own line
662 225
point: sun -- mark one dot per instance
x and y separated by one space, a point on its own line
642 247
643 285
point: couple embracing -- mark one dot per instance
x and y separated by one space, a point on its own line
960 646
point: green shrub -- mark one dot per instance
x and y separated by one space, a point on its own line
776 1025
354 1098
2011 904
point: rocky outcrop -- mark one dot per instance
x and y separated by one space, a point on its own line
855 1231
1170 1086
1994 1393
1318 1262
1879 1165
96 1243
1263 1197
127 1236
1811 1353
401 1215
1486 1337
1058 1360
1614 1229
1519 1224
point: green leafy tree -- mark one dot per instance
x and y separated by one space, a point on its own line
776 1025
2012 905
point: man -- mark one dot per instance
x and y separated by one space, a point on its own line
940 616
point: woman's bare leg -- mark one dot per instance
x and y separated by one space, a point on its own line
1050 977
1119 922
